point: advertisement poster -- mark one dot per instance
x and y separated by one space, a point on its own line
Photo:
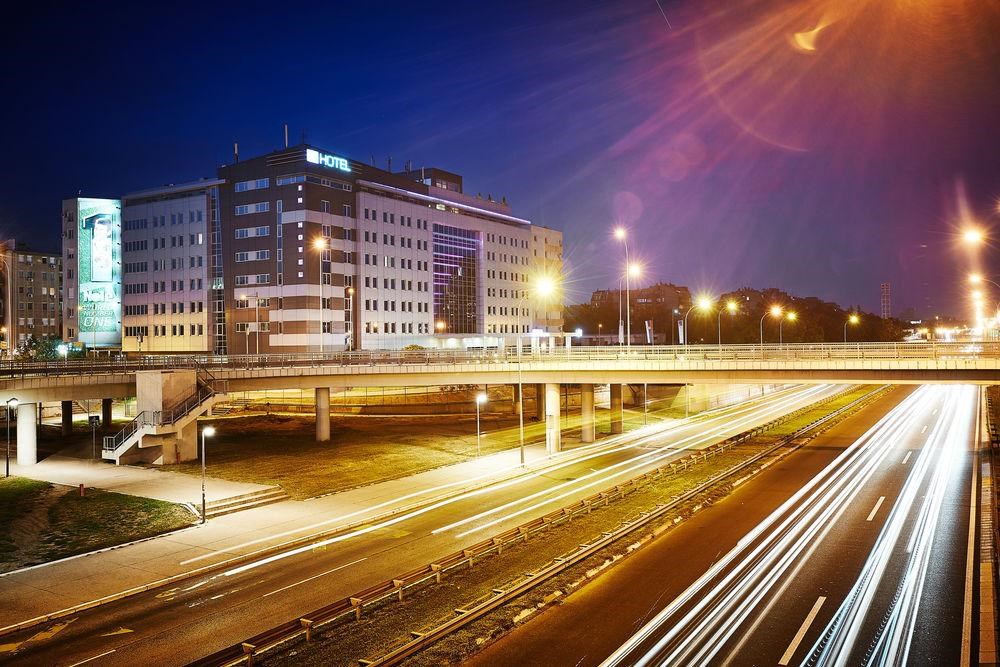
100 271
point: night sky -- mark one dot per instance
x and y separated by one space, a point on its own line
818 147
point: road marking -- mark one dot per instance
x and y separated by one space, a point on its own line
970 551
803 629
878 504
923 430
935 411
120 631
907 457
341 567
94 657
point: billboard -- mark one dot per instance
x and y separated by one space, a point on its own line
99 271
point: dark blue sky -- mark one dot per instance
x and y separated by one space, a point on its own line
797 145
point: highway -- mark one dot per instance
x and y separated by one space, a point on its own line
194 618
836 556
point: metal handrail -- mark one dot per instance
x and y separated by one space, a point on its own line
113 442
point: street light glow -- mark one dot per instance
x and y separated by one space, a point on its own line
545 286
320 244
776 311
853 319
975 278
208 431
481 398
792 316
732 306
634 270
620 233
973 236
704 303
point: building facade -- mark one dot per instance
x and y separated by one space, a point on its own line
302 250
34 306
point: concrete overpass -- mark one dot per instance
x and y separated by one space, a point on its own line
189 384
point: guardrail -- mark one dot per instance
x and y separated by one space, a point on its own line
826 352
354 605
113 442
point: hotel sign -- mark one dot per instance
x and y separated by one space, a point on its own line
327 160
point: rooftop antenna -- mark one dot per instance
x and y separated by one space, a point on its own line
236 151
286 135
373 159
389 164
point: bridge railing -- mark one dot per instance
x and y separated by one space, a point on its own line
680 353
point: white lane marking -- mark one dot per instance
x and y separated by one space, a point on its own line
94 657
907 457
923 430
878 503
341 567
803 629
935 411
970 551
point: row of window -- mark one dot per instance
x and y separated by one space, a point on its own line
391 327
254 256
390 218
178 241
161 330
252 232
161 220
390 283
259 207
258 184
507 240
371 305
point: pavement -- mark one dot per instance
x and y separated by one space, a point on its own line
172 487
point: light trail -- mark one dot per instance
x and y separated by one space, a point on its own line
631 440
694 627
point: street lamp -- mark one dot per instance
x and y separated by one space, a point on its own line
791 317
702 303
354 314
480 399
321 245
439 326
622 235
851 319
774 311
973 236
63 350
731 308
545 286
11 405
206 432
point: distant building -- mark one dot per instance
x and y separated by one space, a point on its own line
665 295
35 305
886 301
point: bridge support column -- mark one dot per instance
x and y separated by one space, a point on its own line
106 412
27 440
553 425
517 399
540 402
322 414
67 418
587 430
616 408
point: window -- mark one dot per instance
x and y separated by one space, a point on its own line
253 256
259 184
288 180
259 207
251 232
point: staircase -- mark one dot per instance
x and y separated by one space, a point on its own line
273 494
208 391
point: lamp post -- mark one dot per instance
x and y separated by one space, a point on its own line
622 236
774 311
702 303
480 399
11 405
731 307
354 314
206 432
851 319
791 317
322 246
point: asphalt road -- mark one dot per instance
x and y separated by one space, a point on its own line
176 625
838 555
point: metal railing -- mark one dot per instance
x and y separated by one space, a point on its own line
800 352
113 442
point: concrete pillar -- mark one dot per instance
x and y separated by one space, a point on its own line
517 400
587 430
616 408
106 412
553 427
67 418
27 441
540 402
322 414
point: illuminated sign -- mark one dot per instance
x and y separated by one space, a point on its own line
99 270
327 160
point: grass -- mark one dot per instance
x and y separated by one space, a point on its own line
17 498
40 522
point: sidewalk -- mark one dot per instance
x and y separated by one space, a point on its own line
45 589
150 483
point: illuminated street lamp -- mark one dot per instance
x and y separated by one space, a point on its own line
973 237
853 318
634 271
702 303
791 317
11 406
206 432
731 307
321 245
439 326
63 350
256 316
774 311
480 399
622 235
